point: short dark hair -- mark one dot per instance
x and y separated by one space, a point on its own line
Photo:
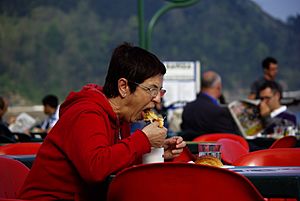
50 100
267 61
274 86
132 63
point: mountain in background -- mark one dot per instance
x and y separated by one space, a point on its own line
53 46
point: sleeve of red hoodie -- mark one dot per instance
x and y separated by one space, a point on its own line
90 146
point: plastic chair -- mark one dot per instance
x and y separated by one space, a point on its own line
180 181
216 136
270 157
284 142
12 176
185 156
231 150
23 148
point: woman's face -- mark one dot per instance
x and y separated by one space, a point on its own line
141 99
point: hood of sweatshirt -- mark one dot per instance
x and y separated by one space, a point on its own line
89 94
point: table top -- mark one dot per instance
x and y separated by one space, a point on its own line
267 170
273 182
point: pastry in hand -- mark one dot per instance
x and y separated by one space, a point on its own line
151 116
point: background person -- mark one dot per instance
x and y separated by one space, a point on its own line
51 109
270 70
205 115
5 134
273 113
92 138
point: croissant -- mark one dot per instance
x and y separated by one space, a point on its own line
152 116
209 160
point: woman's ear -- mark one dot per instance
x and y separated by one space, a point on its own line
123 87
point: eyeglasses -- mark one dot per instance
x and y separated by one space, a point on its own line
265 97
152 91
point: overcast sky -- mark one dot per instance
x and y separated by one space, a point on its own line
280 9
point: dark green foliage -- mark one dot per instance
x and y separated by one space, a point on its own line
55 46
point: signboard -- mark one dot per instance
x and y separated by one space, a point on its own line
182 81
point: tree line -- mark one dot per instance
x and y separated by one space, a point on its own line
54 46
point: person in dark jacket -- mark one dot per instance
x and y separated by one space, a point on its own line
5 134
205 115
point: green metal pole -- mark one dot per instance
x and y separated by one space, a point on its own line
141 23
160 12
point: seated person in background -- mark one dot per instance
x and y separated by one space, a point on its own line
51 109
273 113
204 115
5 134
270 69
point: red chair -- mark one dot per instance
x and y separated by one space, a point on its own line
284 142
216 136
23 148
185 156
12 176
271 157
231 150
180 181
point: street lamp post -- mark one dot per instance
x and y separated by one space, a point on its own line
145 41
141 23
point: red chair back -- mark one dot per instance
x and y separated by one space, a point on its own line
231 150
12 176
284 142
23 148
271 157
180 181
216 136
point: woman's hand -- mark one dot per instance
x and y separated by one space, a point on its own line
173 147
155 134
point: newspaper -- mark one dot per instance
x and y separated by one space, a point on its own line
23 123
246 115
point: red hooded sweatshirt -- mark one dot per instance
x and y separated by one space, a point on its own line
82 150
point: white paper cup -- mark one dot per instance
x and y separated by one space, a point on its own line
155 156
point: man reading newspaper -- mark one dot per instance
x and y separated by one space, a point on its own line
273 113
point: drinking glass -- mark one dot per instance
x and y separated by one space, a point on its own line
210 149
